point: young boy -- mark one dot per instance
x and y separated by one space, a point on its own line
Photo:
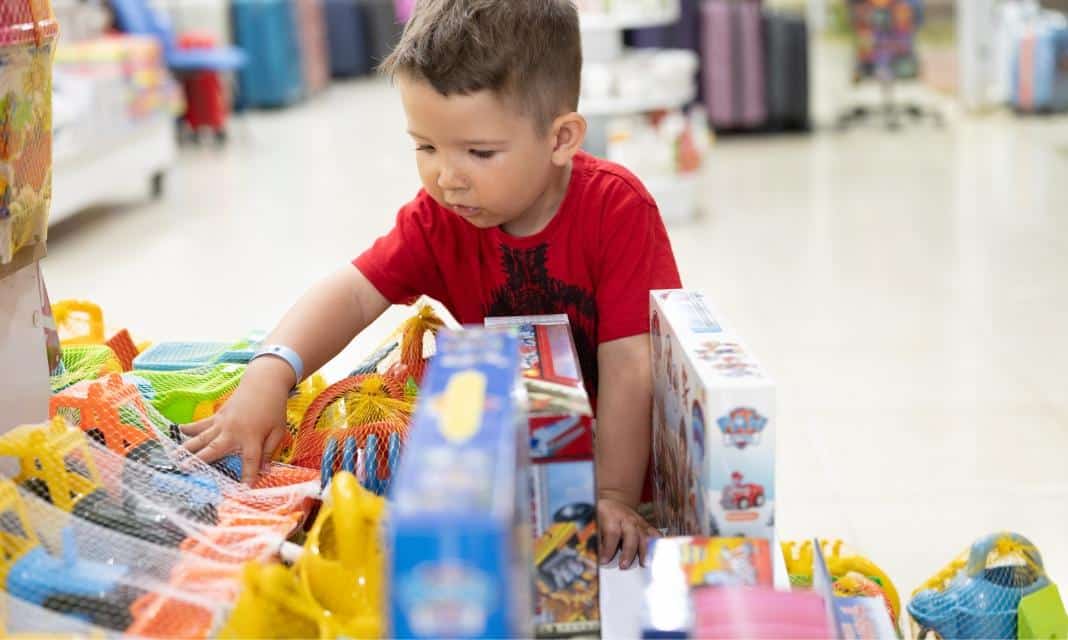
513 219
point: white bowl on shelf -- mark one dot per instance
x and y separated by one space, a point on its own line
676 195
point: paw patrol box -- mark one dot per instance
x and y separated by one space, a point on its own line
713 424
679 566
460 530
564 493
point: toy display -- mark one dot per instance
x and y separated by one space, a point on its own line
678 567
369 412
851 573
109 527
113 413
60 465
856 605
28 32
978 594
84 362
562 476
191 589
336 586
192 394
713 424
80 322
458 530
176 356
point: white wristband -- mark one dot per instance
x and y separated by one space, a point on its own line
284 353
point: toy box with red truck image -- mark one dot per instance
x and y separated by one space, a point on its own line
563 486
713 423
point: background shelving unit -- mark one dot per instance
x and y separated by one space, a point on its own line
602 43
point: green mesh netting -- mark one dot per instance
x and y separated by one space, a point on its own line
85 362
193 394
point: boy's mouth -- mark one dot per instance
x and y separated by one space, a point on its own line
466 212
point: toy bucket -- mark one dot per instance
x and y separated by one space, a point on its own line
28 32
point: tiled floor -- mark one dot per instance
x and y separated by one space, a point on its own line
910 293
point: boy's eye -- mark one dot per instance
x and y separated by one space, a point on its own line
425 147
484 155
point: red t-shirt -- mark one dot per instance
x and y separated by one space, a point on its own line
596 261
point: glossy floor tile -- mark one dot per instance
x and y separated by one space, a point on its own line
909 292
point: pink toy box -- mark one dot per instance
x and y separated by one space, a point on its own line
713 423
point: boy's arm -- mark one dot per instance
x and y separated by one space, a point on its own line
327 318
624 416
317 327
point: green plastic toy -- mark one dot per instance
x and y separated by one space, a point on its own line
1042 615
84 362
193 394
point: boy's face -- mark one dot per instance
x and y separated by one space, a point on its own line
482 159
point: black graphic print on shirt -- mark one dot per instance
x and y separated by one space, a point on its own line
530 290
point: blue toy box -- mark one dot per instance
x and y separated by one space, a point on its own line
713 424
460 526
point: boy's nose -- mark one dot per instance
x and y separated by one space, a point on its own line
450 181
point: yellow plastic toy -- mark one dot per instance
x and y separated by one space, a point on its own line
15 541
336 586
343 565
54 460
80 322
840 562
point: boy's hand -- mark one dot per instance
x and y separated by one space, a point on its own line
622 528
252 422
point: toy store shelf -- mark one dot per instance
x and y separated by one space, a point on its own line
619 20
108 172
676 196
643 104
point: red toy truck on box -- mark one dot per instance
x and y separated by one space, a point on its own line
564 493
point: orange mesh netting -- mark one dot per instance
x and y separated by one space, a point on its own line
369 411
112 412
354 409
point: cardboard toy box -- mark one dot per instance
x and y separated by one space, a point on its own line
713 424
851 616
564 492
677 567
459 527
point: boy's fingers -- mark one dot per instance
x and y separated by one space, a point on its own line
250 460
609 540
217 448
274 438
643 548
197 444
197 428
631 540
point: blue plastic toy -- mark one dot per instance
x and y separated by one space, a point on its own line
179 356
978 594
69 585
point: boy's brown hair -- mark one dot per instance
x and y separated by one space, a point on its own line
529 51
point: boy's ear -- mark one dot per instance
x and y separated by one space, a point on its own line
568 134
